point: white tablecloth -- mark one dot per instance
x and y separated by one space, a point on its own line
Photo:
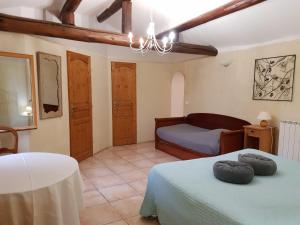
39 189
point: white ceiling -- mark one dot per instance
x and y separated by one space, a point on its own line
273 20
266 22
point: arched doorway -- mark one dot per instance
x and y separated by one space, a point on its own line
177 95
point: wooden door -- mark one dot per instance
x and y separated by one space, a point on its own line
80 105
123 77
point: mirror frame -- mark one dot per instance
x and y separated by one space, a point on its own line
33 91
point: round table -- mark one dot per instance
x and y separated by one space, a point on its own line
39 189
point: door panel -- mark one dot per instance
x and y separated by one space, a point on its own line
80 106
124 103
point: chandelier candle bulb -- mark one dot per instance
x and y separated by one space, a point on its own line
172 37
27 111
141 42
130 36
165 41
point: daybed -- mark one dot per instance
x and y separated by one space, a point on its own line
199 135
186 192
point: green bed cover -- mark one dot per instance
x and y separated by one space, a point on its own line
187 193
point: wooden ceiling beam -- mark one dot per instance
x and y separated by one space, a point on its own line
57 30
208 50
126 6
67 13
126 17
112 9
231 7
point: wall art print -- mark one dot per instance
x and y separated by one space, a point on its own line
274 78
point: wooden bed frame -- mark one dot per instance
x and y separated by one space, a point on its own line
230 141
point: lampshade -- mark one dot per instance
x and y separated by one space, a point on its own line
27 111
264 116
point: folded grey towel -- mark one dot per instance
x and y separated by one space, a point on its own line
262 165
233 172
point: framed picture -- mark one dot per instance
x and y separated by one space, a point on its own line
274 78
49 80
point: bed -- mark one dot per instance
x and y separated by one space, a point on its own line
187 193
199 135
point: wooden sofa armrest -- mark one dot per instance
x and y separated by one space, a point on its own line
163 122
231 141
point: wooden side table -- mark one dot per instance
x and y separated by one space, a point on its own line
259 137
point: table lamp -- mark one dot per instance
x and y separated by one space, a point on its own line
27 111
264 117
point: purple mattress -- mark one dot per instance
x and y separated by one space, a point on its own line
194 138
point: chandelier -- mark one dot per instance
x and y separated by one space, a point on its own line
151 43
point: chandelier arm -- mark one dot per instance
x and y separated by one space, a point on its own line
146 42
159 50
157 44
167 49
135 49
149 47
144 50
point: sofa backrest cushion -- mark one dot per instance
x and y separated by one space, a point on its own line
215 121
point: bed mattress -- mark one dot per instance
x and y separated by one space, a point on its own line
187 193
194 138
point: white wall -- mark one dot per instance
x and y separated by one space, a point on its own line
153 96
211 87
153 93
177 95
52 135
153 84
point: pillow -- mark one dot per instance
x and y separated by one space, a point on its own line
262 165
233 172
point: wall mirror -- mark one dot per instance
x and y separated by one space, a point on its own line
49 77
17 91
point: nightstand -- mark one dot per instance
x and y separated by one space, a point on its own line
259 137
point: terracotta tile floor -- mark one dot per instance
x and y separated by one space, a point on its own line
115 182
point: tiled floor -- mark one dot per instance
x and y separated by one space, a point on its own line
115 182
